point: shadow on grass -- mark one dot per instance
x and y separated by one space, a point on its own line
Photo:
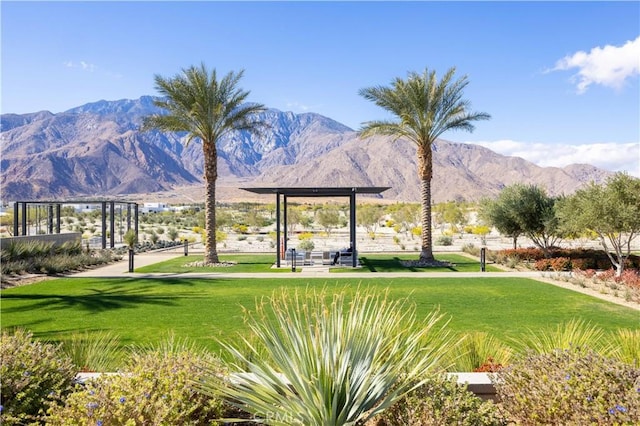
393 265
97 300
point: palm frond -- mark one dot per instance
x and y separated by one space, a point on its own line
423 106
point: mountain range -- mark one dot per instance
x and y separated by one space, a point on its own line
98 150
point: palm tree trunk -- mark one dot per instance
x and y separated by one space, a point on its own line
427 240
210 177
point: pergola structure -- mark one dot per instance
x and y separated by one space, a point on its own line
53 209
305 192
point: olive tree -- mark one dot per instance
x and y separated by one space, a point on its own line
524 210
611 211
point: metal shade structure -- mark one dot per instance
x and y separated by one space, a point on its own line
306 192
20 209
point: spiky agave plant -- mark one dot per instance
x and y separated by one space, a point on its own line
329 359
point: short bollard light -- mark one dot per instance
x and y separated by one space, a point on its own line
186 247
293 260
130 260
483 259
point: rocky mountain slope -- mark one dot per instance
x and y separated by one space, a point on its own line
98 150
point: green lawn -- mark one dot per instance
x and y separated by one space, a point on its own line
145 310
381 262
245 263
391 263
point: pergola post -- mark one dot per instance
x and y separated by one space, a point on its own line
103 205
285 231
112 224
50 218
58 217
135 222
352 226
278 230
16 213
24 218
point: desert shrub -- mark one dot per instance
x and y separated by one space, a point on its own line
553 264
307 245
240 229
172 233
242 237
154 388
478 349
542 265
99 351
626 346
573 334
221 236
34 375
569 387
561 264
153 237
444 240
305 236
442 402
57 263
25 250
524 254
471 249
583 264
630 278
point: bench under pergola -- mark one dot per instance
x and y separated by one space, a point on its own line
305 192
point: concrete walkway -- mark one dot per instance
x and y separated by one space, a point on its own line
120 270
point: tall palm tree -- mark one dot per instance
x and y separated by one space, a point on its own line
424 108
207 109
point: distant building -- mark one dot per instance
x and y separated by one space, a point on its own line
154 208
85 208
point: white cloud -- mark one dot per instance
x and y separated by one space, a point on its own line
609 156
297 106
86 66
609 66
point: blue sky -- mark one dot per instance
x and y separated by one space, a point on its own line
560 79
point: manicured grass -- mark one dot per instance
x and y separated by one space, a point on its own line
245 263
380 262
385 262
146 310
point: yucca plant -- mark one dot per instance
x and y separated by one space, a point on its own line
98 351
575 334
626 346
477 349
329 359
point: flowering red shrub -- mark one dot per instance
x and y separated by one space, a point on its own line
543 265
560 264
524 254
579 258
489 366
630 278
583 263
